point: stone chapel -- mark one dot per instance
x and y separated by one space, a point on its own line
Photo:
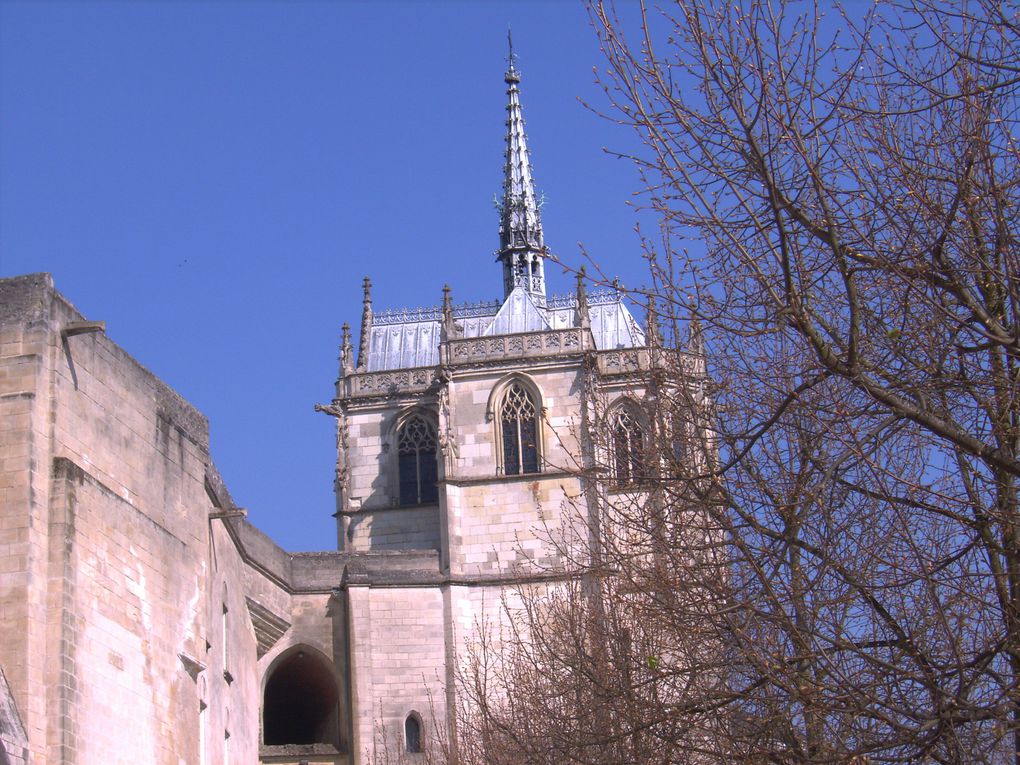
145 620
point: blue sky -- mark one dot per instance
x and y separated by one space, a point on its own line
213 180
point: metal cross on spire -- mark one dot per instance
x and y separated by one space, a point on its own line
521 243
510 57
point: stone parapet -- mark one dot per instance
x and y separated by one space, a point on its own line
526 345
388 382
623 361
316 571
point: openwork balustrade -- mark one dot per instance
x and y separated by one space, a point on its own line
527 345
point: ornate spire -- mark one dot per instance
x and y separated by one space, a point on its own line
521 244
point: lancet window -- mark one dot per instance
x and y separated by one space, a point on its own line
416 450
518 422
680 452
628 443
412 734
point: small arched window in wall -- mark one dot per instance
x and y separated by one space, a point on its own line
412 734
628 440
416 450
518 423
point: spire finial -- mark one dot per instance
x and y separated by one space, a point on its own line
583 318
346 351
695 335
448 329
696 346
511 69
447 301
366 324
652 333
521 242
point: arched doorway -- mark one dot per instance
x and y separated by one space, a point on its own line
300 702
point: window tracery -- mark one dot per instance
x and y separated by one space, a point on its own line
417 465
518 421
628 443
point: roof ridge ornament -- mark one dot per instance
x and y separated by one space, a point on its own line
521 241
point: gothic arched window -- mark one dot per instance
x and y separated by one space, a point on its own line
412 734
416 449
628 448
518 423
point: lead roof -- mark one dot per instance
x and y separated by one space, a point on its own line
406 338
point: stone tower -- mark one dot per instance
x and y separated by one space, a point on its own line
462 449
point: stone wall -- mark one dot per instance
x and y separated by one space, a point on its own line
116 644
499 525
25 379
378 522
398 663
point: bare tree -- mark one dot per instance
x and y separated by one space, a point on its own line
824 566
854 183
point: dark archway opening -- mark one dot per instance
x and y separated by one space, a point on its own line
300 704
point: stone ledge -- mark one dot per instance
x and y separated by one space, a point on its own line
22 394
296 753
523 477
